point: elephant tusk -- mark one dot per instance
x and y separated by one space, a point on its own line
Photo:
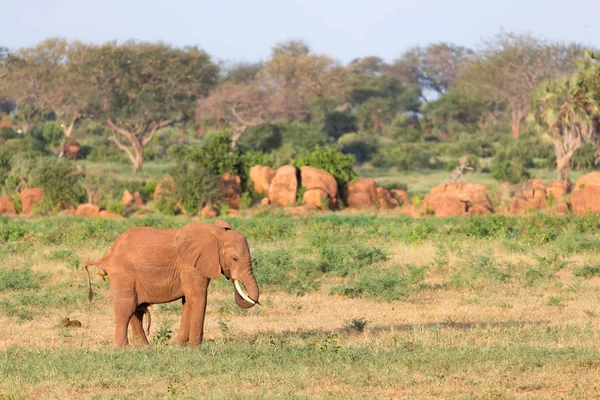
244 296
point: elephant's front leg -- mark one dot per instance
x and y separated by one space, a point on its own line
197 306
183 334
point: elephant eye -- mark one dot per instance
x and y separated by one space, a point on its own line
234 258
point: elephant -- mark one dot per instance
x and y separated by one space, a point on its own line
148 266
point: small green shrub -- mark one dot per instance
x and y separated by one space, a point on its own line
195 186
52 133
264 138
587 271
337 164
338 123
356 324
361 145
60 181
19 279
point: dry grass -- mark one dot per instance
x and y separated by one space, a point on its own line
484 322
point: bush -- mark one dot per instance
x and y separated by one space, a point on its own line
469 144
472 162
361 145
407 157
337 164
338 123
5 165
511 163
60 181
6 133
52 133
195 186
215 154
263 138
584 158
405 128
303 137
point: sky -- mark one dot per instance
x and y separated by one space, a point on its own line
246 30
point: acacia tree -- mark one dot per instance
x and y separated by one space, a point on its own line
40 79
511 66
433 68
144 87
298 77
568 109
238 105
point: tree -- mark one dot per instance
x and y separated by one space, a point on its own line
144 87
434 68
40 78
568 109
242 72
297 77
509 68
238 105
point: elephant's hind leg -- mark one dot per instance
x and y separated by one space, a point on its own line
124 310
137 326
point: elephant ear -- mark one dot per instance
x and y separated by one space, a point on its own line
222 224
198 246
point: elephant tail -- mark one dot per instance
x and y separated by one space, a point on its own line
96 263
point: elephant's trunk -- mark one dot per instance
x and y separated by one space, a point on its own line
249 299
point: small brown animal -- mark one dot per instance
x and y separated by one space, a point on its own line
69 323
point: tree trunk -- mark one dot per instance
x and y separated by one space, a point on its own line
515 121
69 129
563 158
138 158
181 137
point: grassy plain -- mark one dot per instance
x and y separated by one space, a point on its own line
354 306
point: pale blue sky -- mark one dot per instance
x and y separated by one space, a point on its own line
246 30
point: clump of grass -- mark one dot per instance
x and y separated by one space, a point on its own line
163 335
381 284
587 271
356 324
478 271
19 279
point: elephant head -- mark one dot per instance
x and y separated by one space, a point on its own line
218 249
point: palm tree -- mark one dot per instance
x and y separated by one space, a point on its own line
568 109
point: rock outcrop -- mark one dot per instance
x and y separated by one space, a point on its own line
361 194
284 185
29 199
585 196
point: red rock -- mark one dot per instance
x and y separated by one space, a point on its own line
283 187
132 200
88 210
29 199
401 196
261 178
6 206
411 209
386 201
110 215
165 188
586 194
265 201
457 199
316 197
360 194
208 212
529 196
230 186
316 178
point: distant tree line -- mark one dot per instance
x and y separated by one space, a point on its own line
399 114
